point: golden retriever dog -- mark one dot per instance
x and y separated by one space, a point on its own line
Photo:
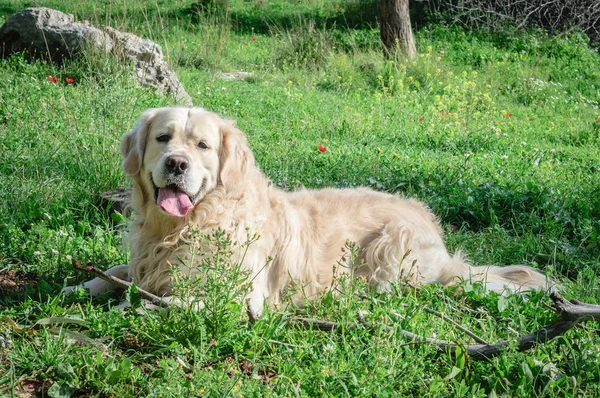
190 166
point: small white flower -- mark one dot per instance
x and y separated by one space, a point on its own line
37 253
54 251
467 155
503 157
552 150
62 233
328 348
523 143
69 257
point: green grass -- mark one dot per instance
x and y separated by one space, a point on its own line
519 189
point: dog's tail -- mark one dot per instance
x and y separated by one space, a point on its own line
514 278
500 279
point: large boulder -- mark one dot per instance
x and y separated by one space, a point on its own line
53 35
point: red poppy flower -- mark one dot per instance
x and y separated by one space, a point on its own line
52 79
508 114
421 118
69 80
597 120
322 148
253 39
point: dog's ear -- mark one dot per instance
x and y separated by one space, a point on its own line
235 157
134 143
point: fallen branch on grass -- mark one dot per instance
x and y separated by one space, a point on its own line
439 315
91 269
570 314
456 325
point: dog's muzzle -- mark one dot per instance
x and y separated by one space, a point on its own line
173 197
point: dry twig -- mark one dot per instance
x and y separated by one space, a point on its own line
91 269
456 325
570 314
553 15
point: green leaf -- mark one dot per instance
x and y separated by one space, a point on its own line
76 336
117 217
502 303
526 372
460 357
66 372
453 373
60 390
133 297
125 366
56 320
113 374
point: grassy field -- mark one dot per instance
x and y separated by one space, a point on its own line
498 132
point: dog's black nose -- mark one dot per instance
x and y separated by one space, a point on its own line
177 164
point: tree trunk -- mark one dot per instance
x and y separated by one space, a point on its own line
395 30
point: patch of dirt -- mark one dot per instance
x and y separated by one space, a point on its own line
31 388
34 388
16 281
247 368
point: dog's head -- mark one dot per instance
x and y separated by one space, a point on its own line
179 155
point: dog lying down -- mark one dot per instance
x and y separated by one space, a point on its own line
191 166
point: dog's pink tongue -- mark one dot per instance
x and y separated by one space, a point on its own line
174 202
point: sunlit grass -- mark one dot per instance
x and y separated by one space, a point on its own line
498 133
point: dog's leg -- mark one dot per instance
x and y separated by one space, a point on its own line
257 264
256 301
97 286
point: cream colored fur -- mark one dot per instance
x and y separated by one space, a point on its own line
302 232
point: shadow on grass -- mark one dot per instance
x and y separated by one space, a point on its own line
7 11
361 14
17 286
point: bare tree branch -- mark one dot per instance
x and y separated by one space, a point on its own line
570 314
456 325
552 15
91 269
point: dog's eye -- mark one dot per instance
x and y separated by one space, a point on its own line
202 145
163 138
